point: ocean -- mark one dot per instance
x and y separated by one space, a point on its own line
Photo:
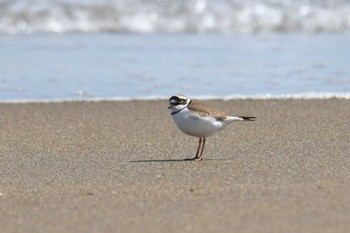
62 50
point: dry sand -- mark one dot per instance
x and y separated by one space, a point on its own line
117 167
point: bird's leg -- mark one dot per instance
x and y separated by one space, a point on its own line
198 149
202 149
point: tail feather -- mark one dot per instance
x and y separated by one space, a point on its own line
247 118
239 118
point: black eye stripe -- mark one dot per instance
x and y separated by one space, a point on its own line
175 100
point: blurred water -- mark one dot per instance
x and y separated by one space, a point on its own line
169 16
106 66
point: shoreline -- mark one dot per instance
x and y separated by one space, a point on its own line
102 166
295 96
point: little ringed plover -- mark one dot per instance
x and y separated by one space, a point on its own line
199 120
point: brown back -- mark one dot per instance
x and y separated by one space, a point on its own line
205 110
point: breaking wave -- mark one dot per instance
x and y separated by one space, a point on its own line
168 16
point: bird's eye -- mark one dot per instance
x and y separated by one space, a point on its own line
181 101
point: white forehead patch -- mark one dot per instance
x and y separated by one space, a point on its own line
172 101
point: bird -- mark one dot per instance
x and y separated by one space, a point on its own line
199 120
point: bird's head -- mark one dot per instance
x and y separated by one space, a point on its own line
178 102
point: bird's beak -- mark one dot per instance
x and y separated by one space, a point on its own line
171 105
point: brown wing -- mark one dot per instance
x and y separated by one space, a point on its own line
206 110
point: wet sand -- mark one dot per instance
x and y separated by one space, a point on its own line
118 167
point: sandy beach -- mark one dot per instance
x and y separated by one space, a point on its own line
118 167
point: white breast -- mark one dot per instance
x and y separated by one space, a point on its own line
195 125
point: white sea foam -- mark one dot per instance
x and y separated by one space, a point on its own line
168 16
299 96
304 96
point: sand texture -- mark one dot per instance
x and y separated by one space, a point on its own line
118 167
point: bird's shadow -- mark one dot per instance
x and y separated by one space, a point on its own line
172 160
161 160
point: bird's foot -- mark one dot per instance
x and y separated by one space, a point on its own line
194 159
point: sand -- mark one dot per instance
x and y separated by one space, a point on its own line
118 167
